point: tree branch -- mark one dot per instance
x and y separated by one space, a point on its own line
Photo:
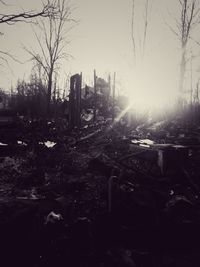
132 28
10 56
145 26
48 10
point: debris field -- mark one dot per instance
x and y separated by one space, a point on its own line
102 195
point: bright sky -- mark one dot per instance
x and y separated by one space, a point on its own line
102 40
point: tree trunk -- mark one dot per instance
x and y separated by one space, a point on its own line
182 76
49 90
182 72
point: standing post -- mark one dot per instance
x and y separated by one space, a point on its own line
75 100
71 102
113 96
109 94
95 95
78 99
191 91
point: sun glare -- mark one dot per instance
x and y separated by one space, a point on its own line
148 92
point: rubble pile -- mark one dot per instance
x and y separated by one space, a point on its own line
102 195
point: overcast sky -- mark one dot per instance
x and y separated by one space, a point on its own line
102 40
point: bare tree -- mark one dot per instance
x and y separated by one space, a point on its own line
52 42
139 42
47 10
187 22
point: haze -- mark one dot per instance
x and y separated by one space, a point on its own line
102 40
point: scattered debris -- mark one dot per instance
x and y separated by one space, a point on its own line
100 192
3 144
21 143
49 144
53 217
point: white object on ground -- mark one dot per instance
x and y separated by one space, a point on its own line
53 217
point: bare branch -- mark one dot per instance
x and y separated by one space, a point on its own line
190 19
10 19
2 58
37 58
172 29
9 55
42 49
132 28
145 26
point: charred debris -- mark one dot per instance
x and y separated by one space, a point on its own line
88 187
